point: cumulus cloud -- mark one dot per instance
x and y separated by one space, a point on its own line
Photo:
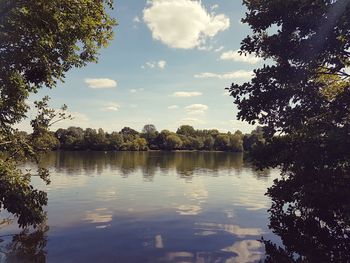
173 107
101 83
196 109
234 55
240 74
186 94
111 107
182 24
161 64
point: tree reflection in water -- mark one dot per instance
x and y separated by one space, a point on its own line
184 163
26 247
310 212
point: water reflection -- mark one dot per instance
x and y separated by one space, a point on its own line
246 251
311 214
184 163
27 246
232 229
154 207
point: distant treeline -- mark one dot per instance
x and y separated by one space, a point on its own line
185 138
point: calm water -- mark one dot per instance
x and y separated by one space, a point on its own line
148 207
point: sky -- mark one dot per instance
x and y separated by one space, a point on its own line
168 65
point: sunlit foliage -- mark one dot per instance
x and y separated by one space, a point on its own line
39 42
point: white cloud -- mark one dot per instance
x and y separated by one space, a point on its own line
185 94
161 64
240 74
136 22
213 7
246 251
182 24
150 64
173 107
101 83
236 56
196 109
219 49
136 19
205 48
111 107
136 90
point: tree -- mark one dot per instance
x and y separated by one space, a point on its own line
208 143
40 41
254 139
150 133
129 134
149 129
304 95
186 130
222 142
287 96
89 137
116 141
139 144
173 142
236 142
302 100
161 139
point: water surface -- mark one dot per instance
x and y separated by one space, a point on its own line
148 207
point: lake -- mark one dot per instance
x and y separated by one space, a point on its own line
148 207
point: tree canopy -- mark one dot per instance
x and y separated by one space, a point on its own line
128 139
39 42
301 96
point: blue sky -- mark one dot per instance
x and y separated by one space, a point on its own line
169 64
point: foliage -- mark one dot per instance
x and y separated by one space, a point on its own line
40 41
173 142
26 246
149 129
302 99
311 215
75 138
